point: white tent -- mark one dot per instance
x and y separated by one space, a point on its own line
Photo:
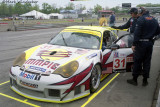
35 14
55 16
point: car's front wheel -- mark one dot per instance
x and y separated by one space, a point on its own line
95 78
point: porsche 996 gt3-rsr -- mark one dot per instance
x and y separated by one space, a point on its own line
71 65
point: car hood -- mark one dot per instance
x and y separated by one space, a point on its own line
47 58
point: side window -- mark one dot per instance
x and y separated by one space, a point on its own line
113 37
107 38
125 41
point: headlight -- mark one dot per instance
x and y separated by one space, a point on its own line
19 60
68 69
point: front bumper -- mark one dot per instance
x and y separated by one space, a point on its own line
49 94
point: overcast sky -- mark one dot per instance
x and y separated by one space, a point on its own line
103 3
92 3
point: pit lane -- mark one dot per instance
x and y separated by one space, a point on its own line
113 92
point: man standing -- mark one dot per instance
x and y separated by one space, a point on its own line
146 28
103 21
131 23
112 20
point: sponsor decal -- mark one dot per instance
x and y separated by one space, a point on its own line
129 59
91 56
29 84
122 55
148 18
30 76
54 54
42 63
37 68
116 55
81 51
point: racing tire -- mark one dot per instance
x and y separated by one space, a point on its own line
95 78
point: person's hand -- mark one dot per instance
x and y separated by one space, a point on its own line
115 27
133 48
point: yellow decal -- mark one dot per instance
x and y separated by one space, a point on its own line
96 33
30 51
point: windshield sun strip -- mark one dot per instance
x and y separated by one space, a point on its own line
96 33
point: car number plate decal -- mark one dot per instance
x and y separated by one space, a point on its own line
119 63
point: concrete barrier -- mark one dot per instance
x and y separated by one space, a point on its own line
7 26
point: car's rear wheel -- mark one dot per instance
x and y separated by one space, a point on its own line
95 78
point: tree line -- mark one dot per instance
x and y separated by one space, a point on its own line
8 10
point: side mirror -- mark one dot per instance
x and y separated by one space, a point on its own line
114 46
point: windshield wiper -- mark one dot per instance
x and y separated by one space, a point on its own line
64 40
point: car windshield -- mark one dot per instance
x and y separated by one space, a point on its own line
76 39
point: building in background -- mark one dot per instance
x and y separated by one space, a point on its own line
106 13
56 16
35 15
69 14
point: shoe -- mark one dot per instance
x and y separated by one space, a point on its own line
145 82
132 81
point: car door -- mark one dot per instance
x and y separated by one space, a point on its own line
119 57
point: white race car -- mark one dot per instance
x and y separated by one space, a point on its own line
71 65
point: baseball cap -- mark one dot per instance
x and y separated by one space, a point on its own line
133 10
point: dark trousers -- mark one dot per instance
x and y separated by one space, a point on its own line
142 58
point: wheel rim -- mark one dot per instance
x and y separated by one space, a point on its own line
95 80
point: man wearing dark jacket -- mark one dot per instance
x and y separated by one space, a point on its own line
146 28
112 20
131 23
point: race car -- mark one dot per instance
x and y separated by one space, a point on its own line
71 65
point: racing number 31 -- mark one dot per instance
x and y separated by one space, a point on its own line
119 63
